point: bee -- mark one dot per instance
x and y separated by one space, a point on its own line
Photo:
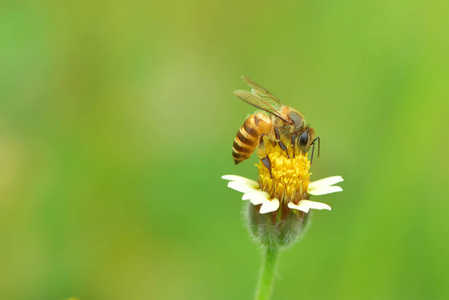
283 125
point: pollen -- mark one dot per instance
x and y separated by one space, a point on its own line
289 177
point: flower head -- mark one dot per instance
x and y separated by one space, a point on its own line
280 198
252 192
286 186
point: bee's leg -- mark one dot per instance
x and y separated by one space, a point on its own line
313 148
281 143
293 142
263 154
267 163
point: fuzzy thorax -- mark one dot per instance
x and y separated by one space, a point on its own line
289 178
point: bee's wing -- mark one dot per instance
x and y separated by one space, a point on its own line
262 92
255 100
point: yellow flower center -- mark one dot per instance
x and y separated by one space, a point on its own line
289 178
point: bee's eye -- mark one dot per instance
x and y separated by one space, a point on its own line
304 139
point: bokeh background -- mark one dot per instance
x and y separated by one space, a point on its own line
117 120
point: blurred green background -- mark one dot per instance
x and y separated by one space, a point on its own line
117 120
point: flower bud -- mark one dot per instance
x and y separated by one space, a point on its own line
277 229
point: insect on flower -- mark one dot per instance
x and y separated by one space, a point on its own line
282 138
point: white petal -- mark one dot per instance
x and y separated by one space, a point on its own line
269 206
257 201
241 186
323 190
240 179
232 177
256 197
291 205
325 182
306 205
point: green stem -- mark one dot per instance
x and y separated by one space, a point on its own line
266 277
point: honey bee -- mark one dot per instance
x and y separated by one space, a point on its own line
283 125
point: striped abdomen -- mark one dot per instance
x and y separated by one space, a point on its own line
248 136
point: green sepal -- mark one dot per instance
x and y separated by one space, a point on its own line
275 230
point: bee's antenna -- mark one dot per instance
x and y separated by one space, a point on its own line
313 148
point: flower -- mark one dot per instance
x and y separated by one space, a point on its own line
286 185
252 192
279 207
